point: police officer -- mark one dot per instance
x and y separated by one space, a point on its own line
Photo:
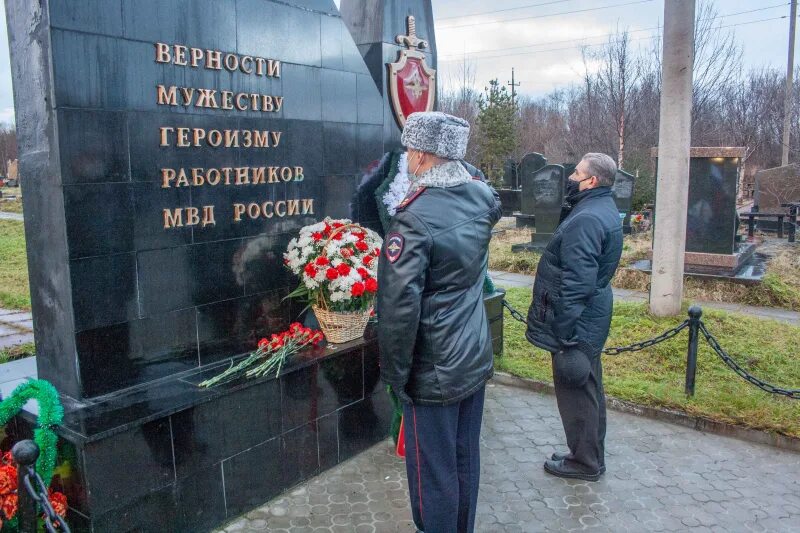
570 314
435 345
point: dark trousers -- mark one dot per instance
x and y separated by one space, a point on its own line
443 463
583 414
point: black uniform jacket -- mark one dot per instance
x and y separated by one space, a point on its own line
433 333
572 299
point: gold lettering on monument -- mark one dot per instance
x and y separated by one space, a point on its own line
224 100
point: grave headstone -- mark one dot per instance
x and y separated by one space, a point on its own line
510 178
528 167
170 150
548 192
711 220
623 197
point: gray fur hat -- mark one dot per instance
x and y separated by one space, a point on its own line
436 133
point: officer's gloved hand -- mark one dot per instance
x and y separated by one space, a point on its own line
571 367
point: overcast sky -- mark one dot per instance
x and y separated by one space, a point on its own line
542 40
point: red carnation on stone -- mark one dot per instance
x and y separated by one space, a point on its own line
371 285
263 344
331 274
343 269
357 289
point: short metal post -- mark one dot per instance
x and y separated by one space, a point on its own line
780 226
25 453
751 225
695 312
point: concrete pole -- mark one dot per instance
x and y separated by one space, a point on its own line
787 99
674 139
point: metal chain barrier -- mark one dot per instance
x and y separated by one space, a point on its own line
616 349
635 347
695 326
38 491
744 374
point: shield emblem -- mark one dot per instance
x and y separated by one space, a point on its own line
412 85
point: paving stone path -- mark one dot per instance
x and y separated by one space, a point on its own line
16 327
661 477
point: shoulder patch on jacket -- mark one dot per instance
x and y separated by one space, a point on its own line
394 246
410 198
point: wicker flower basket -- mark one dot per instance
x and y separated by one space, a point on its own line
341 327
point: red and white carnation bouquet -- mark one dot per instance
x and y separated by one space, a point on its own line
337 263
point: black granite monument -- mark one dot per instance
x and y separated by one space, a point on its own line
623 197
170 149
548 190
530 164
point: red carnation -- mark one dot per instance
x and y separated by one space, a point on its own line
376 252
346 252
371 285
337 225
327 230
343 269
357 289
338 236
310 270
9 505
263 344
322 261
317 236
59 503
332 273
362 246
367 259
363 272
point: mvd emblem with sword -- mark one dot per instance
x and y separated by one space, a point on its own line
412 84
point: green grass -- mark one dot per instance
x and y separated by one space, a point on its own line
14 291
655 376
13 206
17 352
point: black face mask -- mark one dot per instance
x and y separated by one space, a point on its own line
573 187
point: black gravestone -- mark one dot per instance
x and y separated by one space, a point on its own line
623 196
510 178
171 149
548 189
526 170
711 215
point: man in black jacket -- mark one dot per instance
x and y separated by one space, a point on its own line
570 315
435 345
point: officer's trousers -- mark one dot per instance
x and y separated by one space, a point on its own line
443 463
583 414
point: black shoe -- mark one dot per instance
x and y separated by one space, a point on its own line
560 469
560 456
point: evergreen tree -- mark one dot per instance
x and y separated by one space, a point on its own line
496 123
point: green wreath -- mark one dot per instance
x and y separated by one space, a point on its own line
50 415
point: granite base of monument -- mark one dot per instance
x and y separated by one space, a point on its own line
194 457
525 221
744 266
